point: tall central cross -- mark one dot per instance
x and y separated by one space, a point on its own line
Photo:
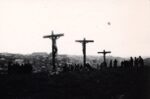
104 54
84 41
53 37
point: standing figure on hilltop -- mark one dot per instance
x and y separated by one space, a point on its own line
115 63
131 62
141 61
123 63
135 62
110 64
103 65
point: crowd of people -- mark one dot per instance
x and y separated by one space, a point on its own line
15 68
77 67
136 62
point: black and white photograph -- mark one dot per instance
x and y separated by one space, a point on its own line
74 49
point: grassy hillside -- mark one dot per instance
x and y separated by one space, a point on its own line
114 83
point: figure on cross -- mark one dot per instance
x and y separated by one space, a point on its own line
84 41
104 56
54 37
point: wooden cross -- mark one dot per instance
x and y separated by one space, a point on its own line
104 54
53 37
84 41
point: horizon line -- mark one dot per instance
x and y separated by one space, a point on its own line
74 54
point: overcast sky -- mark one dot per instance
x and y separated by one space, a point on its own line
23 23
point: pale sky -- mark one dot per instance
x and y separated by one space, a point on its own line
23 23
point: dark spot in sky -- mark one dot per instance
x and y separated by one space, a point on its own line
109 23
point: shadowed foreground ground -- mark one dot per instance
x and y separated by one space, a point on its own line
107 84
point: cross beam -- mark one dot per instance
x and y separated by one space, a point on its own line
104 54
84 41
53 37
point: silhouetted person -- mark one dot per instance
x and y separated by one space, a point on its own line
88 66
131 61
135 62
141 61
9 67
115 63
103 65
122 63
125 64
110 64
65 68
